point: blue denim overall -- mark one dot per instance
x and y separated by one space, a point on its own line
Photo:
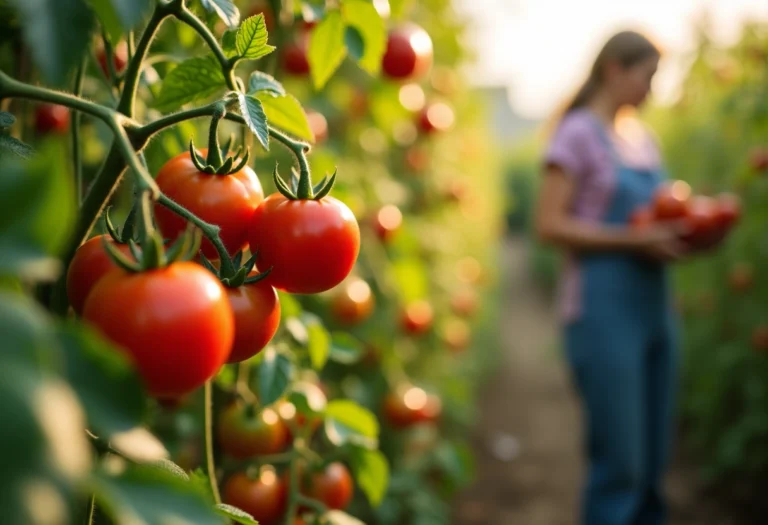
623 353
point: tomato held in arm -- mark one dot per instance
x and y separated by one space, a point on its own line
175 323
227 201
333 486
265 498
88 266
257 316
670 201
243 432
311 245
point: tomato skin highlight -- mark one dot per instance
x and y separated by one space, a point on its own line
243 436
266 499
408 54
90 263
175 323
310 245
728 210
333 486
227 201
701 221
256 308
671 201
417 317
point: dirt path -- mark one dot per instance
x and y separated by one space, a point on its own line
527 444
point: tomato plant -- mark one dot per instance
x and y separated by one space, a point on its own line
409 53
51 118
90 263
332 486
264 498
257 316
245 432
353 302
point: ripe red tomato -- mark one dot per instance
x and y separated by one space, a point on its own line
641 218
728 210
333 486
257 316
758 159
409 406
408 54
436 117
228 201
52 118
244 433
311 245
119 58
417 317
319 126
387 222
265 498
88 266
671 201
701 221
175 323
741 278
294 55
353 303
316 398
266 10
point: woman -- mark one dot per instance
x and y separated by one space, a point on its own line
619 328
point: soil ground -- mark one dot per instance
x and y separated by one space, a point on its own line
528 442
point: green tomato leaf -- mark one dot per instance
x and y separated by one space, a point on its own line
27 331
371 471
104 379
57 33
6 119
235 514
194 79
286 113
354 42
119 16
255 118
225 10
347 422
326 48
366 34
274 375
289 305
252 38
260 81
319 342
169 466
37 213
229 42
345 348
12 145
149 496
456 460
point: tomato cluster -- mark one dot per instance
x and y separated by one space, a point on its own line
409 405
705 220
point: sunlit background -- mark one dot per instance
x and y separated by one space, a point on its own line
540 50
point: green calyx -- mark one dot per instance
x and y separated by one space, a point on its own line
240 271
153 254
219 161
127 233
301 187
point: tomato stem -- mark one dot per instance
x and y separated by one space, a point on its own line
318 506
214 148
293 491
75 131
209 460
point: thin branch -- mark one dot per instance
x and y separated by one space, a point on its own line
75 130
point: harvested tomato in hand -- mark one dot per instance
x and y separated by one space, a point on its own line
244 433
417 317
671 201
256 308
333 486
52 118
641 218
265 498
175 323
409 52
88 266
227 201
701 222
353 303
728 210
311 245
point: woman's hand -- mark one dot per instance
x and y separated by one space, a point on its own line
662 241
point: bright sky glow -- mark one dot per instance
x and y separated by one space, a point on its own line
541 49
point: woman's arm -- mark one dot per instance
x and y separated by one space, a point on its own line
557 226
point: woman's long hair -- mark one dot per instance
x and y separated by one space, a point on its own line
628 48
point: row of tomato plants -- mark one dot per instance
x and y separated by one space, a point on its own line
294 363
